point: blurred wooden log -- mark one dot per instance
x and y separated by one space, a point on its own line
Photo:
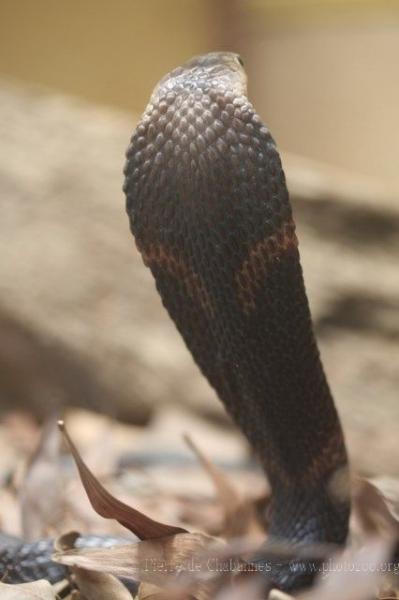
312 180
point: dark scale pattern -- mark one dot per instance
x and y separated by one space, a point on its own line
210 212
21 562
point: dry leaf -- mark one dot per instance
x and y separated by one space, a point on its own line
110 507
66 541
100 586
148 560
180 560
148 591
37 590
61 588
41 490
93 584
374 510
352 574
278 595
248 588
389 489
239 513
388 593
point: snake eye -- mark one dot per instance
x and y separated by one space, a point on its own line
239 60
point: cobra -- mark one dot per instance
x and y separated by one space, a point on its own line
210 212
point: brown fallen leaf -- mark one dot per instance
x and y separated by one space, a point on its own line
278 595
37 590
148 591
41 490
151 560
100 586
374 510
353 574
174 562
240 516
387 592
61 589
92 584
160 557
110 507
66 541
389 489
245 588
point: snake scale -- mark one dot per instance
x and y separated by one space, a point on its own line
210 213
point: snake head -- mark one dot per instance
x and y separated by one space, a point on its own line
215 70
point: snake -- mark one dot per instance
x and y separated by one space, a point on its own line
209 209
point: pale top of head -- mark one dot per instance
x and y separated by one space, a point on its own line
219 71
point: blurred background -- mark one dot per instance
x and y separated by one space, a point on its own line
80 323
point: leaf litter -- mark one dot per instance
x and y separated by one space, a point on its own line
162 559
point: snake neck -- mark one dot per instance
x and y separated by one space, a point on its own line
210 212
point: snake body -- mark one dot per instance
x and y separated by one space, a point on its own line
210 212
21 562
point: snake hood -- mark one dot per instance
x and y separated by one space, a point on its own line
210 212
